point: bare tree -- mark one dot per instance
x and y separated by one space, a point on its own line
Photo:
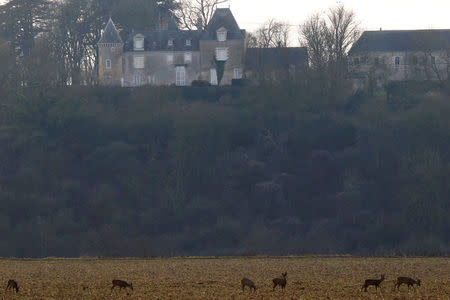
328 38
272 34
342 31
314 36
196 14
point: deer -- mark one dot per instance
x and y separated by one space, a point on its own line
12 284
406 280
374 282
247 282
121 284
281 281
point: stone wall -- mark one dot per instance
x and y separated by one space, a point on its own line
236 54
157 69
113 52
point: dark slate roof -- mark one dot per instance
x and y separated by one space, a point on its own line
276 58
223 17
110 34
157 40
402 40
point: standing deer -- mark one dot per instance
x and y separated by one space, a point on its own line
406 280
121 284
374 282
12 284
281 281
247 282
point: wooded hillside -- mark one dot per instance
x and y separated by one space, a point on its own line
273 169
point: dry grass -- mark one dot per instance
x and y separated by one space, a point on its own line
201 278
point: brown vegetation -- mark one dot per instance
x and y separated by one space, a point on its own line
178 278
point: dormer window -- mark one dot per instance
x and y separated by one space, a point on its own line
170 43
222 34
138 43
188 42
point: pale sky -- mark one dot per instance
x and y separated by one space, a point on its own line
373 14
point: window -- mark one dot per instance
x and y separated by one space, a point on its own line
237 73
222 34
138 43
397 61
180 77
138 62
213 74
170 59
187 57
170 42
113 49
222 54
188 42
356 61
108 64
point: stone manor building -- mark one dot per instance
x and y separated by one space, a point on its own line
169 56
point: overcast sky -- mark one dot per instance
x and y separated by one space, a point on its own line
373 14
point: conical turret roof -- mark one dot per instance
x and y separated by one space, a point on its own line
110 35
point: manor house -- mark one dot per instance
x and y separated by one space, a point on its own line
397 55
170 56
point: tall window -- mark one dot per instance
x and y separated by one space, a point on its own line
180 77
108 64
237 73
188 42
397 61
139 43
187 57
213 74
222 54
137 80
138 62
222 34
170 59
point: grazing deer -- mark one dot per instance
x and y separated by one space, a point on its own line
121 284
374 282
12 284
247 282
406 280
281 281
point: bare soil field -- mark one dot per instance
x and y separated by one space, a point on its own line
219 278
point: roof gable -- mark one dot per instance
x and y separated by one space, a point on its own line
110 35
223 18
402 40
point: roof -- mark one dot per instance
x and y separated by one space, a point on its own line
110 35
402 40
223 17
157 40
276 57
